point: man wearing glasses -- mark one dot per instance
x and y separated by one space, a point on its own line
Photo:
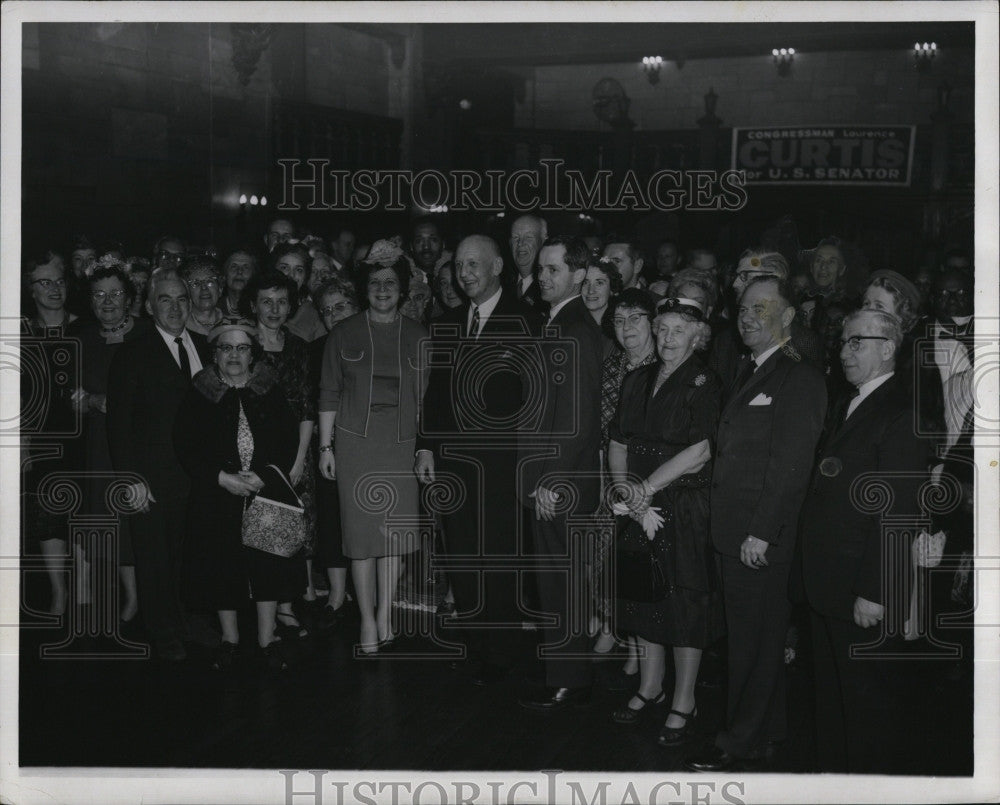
854 598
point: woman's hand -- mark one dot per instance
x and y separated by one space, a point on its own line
252 478
236 484
327 466
296 472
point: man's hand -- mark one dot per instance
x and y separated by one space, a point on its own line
141 496
327 466
867 613
545 503
423 467
752 553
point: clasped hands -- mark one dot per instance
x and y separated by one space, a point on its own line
752 552
633 500
243 483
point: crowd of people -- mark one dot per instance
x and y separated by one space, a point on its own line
710 424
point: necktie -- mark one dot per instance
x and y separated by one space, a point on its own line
745 373
185 360
474 324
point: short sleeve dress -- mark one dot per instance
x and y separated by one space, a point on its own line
655 427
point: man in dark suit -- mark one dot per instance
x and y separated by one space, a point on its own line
764 452
471 412
148 378
560 469
846 560
527 234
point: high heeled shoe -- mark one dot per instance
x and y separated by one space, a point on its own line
674 736
287 626
630 716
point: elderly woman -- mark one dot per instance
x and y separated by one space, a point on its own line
632 313
659 456
371 389
204 281
335 302
237 270
234 422
111 300
293 260
602 281
270 299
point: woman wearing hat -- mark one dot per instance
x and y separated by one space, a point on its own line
233 422
659 456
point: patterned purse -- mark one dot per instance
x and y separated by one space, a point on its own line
274 519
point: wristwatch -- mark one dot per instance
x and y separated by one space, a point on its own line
324 448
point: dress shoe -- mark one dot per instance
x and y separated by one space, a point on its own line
630 716
552 699
712 759
487 674
674 736
224 656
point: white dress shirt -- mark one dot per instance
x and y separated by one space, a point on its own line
864 390
193 358
485 311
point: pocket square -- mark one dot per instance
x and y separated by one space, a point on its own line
760 399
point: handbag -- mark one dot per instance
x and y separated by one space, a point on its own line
639 576
274 519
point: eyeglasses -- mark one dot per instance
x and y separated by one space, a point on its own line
227 349
46 284
631 321
174 256
854 342
952 292
746 275
340 307
100 296
199 285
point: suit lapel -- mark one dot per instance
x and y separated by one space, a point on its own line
869 406
748 391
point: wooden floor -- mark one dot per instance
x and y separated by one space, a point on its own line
332 711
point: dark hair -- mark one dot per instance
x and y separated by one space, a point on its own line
610 270
634 247
423 220
634 297
400 267
283 250
268 281
784 292
113 272
577 254
81 242
159 244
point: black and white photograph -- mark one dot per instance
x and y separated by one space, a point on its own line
499 403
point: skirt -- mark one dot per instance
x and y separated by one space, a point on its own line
379 507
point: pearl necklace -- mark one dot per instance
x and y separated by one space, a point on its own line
121 326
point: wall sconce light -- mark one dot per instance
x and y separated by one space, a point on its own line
924 55
652 65
783 60
253 201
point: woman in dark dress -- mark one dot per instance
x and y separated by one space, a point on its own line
110 293
234 422
659 455
270 298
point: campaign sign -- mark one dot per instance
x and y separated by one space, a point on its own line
829 155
